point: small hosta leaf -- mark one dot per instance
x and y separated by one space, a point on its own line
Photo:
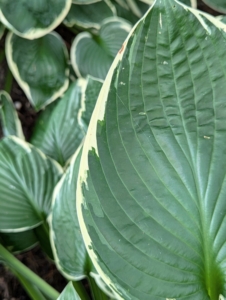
8 117
89 16
61 134
40 67
18 241
152 179
27 180
93 55
69 249
69 293
34 18
218 5
91 94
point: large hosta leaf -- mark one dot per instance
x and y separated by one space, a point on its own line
151 198
93 54
8 117
219 5
34 18
61 134
27 180
39 66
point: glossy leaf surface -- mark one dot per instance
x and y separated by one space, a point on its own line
151 198
34 18
39 66
61 133
93 55
27 180
8 116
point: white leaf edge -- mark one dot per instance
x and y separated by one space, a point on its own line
16 119
35 33
28 147
23 84
90 140
125 25
91 24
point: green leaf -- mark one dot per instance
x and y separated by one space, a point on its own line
69 250
218 5
152 188
39 66
27 180
94 54
89 16
69 293
84 2
91 94
34 18
192 3
2 30
8 116
19 241
61 133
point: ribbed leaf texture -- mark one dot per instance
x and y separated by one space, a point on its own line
152 178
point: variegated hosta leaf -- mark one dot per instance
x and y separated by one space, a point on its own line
89 16
2 30
65 234
62 134
27 180
39 66
151 198
69 293
218 5
34 18
18 241
93 55
8 117
84 2
91 94
192 3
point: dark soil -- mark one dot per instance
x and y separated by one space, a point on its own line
10 288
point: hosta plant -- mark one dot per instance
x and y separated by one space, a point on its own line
135 204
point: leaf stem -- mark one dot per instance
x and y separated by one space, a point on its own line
81 290
20 268
32 290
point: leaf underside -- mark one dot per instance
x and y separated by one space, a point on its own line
152 196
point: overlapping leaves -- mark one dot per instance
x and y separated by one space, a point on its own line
152 177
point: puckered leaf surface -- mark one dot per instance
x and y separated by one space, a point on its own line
34 18
151 198
40 67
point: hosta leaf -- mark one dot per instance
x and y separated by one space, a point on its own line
93 55
61 134
8 117
151 198
89 16
84 2
2 30
69 249
91 94
18 241
69 293
218 5
27 180
39 66
34 18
